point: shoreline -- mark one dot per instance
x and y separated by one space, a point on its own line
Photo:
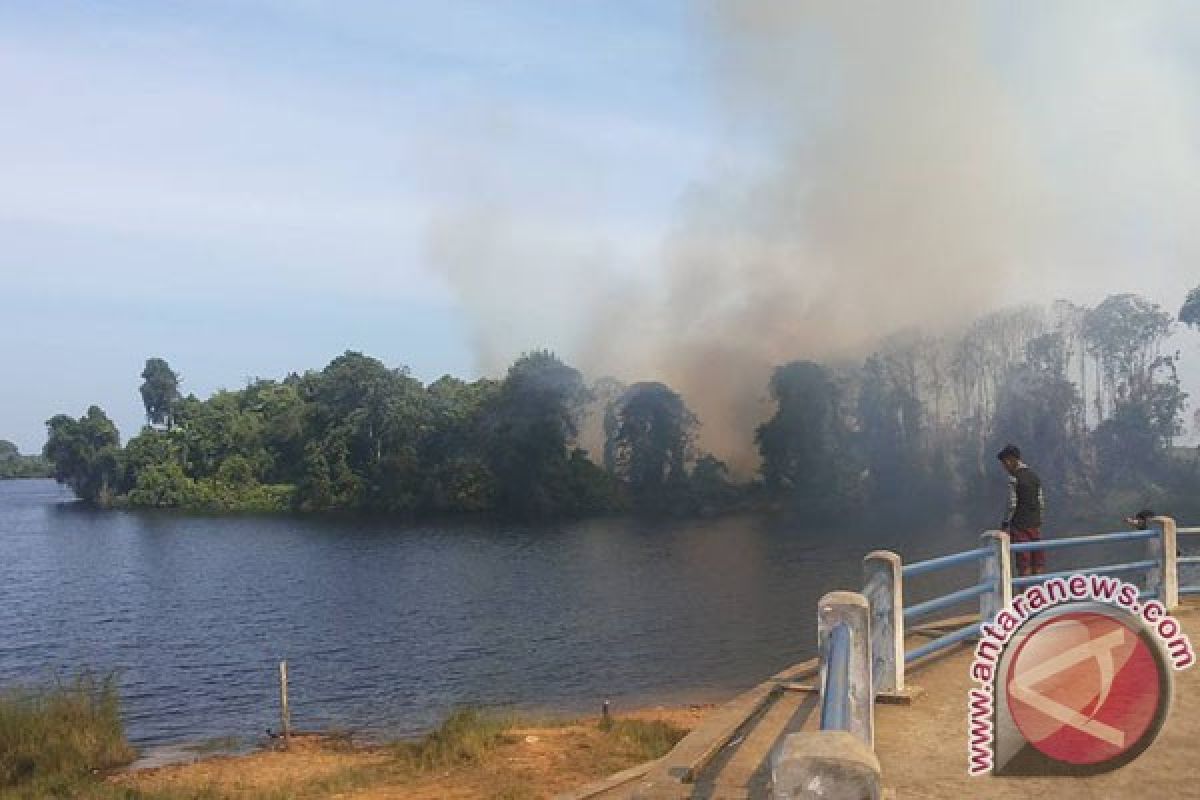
527 758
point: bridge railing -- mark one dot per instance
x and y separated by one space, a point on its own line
1183 561
885 575
862 652
861 641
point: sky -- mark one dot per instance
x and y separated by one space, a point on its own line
251 188
245 188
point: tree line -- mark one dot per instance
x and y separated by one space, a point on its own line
15 465
1089 392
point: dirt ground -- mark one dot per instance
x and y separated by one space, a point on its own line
923 747
533 762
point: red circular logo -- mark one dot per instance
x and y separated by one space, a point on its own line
1087 687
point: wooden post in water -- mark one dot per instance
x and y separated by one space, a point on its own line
285 715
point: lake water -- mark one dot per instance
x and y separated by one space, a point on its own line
387 626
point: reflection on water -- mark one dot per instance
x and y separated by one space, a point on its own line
386 626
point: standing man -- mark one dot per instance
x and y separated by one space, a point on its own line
1026 502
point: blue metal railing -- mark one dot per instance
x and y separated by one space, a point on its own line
954 637
945 601
1079 541
928 607
835 694
1111 569
935 604
941 562
1187 560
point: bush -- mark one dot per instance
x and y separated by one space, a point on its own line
51 737
465 737
644 739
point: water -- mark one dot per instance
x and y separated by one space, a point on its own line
386 626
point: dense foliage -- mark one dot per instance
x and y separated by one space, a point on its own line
1090 394
15 465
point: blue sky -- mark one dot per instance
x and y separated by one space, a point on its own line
244 188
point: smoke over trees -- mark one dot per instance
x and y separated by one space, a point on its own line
874 168
910 431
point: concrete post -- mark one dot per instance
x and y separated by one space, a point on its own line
825 764
884 589
850 608
837 764
995 568
1167 554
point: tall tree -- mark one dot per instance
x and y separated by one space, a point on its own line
1125 335
533 426
1190 313
160 392
653 439
1041 408
803 444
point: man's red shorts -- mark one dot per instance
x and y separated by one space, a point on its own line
1033 558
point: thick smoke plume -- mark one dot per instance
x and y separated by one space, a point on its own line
915 164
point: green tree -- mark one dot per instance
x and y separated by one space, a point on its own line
218 428
531 427
160 391
15 465
455 472
284 426
378 415
86 455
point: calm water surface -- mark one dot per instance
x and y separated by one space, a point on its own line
386 626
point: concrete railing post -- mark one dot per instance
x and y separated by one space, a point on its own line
836 763
996 569
850 609
832 764
1165 580
883 583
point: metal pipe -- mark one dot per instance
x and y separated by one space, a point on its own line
835 693
929 606
1077 541
1132 566
962 634
941 562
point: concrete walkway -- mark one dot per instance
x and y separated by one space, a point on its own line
922 747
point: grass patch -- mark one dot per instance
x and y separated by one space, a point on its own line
643 739
52 737
466 737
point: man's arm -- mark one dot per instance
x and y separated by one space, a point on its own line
1012 503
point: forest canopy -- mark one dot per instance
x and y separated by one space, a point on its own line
15 465
1090 393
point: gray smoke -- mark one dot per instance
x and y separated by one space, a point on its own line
917 164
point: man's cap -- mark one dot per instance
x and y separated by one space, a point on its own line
1009 451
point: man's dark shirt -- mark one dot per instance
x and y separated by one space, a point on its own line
1025 499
